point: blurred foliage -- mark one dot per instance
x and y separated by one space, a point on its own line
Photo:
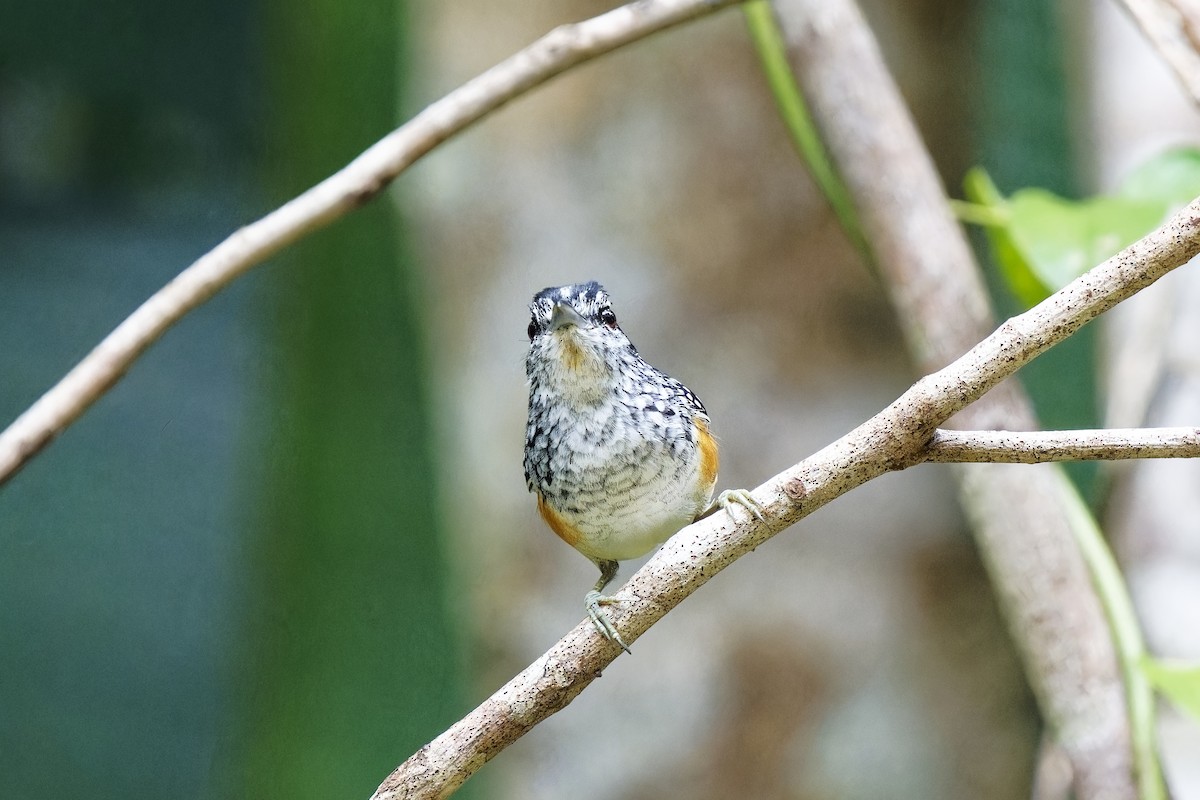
1042 242
122 95
1023 101
121 146
1180 683
350 663
225 579
1022 123
118 544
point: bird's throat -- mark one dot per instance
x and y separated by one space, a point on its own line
582 377
573 357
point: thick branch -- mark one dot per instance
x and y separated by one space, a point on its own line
1036 447
893 438
1174 31
360 181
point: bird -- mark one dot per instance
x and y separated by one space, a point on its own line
619 455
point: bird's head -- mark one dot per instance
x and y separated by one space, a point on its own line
573 334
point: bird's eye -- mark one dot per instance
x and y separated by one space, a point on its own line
608 317
532 329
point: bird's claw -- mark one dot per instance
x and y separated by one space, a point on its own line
742 498
593 601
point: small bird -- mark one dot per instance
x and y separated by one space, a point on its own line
619 455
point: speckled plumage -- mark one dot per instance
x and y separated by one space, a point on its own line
618 453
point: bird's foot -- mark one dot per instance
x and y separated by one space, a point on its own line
739 497
594 601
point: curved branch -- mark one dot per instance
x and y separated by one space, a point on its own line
357 183
1036 447
892 439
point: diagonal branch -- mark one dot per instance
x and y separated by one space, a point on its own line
357 183
1173 30
890 440
1036 447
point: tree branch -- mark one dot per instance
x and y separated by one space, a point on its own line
1023 519
1175 34
357 183
1036 447
890 440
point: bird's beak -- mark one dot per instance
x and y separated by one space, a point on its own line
563 315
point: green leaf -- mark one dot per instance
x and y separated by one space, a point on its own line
1017 272
1180 683
1172 178
1046 241
1061 239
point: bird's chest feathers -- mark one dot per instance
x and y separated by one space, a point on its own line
609 442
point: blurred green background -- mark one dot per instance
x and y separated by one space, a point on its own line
227 580
230 577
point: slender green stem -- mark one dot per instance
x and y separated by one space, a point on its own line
768 40
978 214
1131 649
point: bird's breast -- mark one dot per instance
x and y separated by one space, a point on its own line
619 479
